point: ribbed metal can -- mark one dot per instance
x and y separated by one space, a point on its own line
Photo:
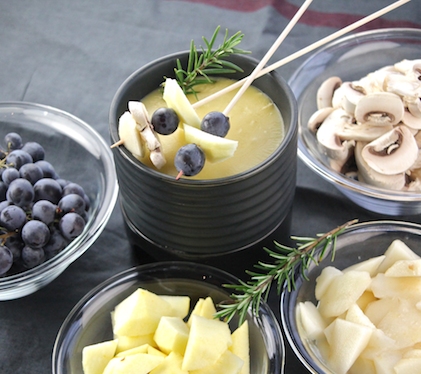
200 218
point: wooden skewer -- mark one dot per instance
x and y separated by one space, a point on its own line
305 50
267 56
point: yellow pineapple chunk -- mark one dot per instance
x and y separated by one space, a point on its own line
180 305
95 357
208 339
139 314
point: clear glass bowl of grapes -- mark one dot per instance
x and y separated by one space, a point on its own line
164 317
57 191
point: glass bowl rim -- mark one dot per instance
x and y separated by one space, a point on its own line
339 180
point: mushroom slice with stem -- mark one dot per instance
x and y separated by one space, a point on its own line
370 176
411 121
326 91
379 109
317 118
373 82
414 106
392 153
403 85
364 132
350 97
327 136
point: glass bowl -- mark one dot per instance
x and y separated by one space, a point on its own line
352 58
357 243
89 322
79 154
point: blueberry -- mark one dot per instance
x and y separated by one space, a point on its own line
215 123
189 160
165 121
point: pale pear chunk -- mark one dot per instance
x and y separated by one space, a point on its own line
343 292
404 268
125 342
402 287
346 340
363 365
379 342
377 309
408 365
371 265
311 320
180 305
402 323
328 274
366 298
396 251
132 351
356 315
129 135
385 361
95 357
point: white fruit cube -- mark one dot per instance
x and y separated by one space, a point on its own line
127 342
408 365
132 351
379 342
396 251
139 314
404 268
171 365
241 346
402 287
141 363
310 319
208 339
356 315
346 340
95 357
363 365
366 298
385 361
377 309
371 265
172 334
228 363
324 280
180 305
343 292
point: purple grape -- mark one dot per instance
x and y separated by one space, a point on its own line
56 243
72 203
31 172
215 123
35 149
12 218
9 175
13 141
48 189
71 225
71 188
44 211
32 257
17 158
35 234
20 192
47 169
189 160
165 121
6 259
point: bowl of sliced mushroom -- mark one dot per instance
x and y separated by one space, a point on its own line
359 102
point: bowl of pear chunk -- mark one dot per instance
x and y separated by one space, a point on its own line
360 115
360 312
161 318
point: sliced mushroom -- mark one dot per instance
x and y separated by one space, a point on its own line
370 176
411 68
317 118
414 183
414 106
411 121
392 153
363 132
327 137
403 85
379 109
326 90
373 82
350 97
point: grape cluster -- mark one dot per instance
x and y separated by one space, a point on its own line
190 159
40 213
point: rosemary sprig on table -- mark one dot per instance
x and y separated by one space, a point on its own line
250 294
209 62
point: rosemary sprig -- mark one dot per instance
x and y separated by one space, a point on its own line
250 294
209 62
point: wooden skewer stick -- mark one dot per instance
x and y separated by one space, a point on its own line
305 50
267 56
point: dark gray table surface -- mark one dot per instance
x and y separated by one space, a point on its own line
74 55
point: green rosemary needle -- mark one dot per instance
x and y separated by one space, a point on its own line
209 62
250 294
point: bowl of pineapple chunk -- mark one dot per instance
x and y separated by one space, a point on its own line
160 318
360 312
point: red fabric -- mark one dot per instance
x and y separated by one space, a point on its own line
310 17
